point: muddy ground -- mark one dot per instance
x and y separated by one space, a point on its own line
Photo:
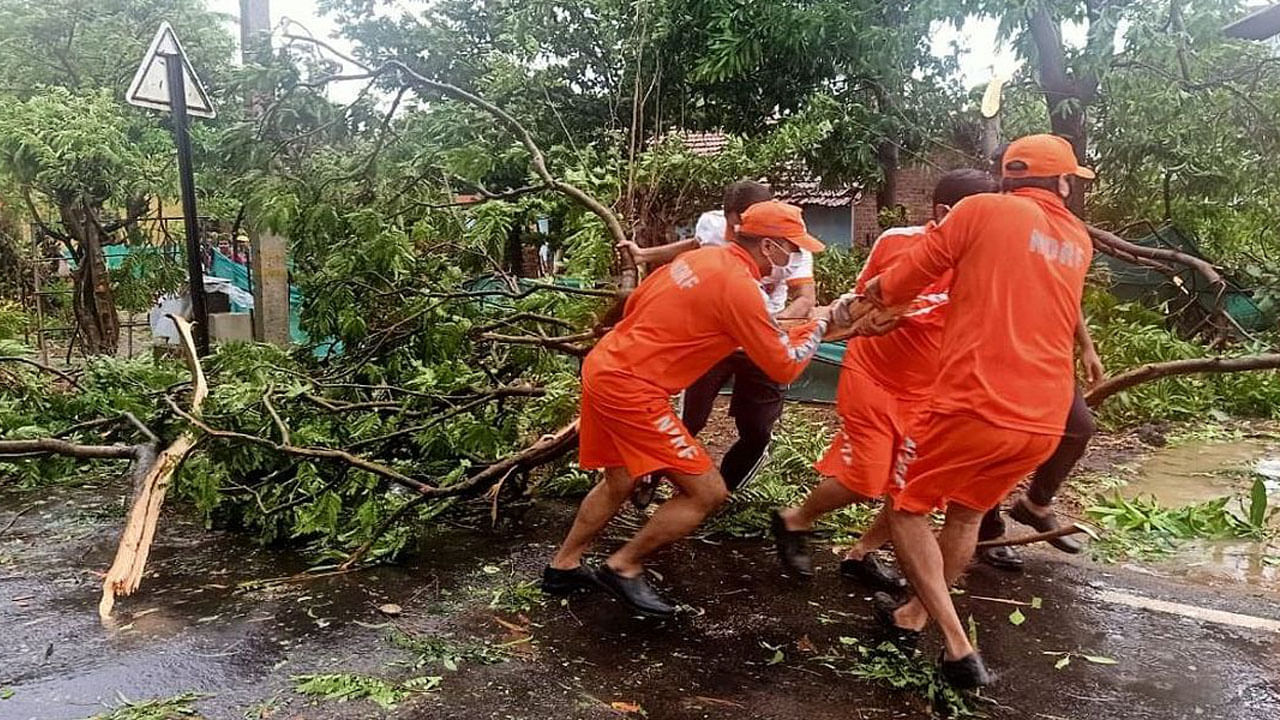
750 644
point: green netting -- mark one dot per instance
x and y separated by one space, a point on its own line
820 379
1186 290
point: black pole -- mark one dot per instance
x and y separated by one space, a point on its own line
195 268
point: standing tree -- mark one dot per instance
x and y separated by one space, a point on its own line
82 164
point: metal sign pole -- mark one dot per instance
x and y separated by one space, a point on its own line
195 268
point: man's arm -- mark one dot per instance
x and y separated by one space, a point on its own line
801 288
1094 371
804 298
939 250
781 354
660 253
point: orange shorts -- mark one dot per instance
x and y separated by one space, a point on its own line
950 458
628 425
872 424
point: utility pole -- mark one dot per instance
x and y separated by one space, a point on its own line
270 252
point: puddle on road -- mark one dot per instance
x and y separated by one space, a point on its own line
1213 562
1197 472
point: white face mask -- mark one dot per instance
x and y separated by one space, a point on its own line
776 269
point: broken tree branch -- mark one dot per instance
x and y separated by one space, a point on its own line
536 158
546 449
41 366
151 482
1105 241
1155 371
54 446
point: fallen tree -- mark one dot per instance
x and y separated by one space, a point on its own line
1155 371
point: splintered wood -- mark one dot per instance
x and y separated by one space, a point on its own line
140 527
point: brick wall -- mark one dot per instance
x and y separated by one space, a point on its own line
915 192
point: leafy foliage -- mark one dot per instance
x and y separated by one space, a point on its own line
1128 335
345 687
889 665
1141 527
177 707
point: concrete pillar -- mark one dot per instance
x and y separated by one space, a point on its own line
270 251
270 288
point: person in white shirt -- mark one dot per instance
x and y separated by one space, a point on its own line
756 403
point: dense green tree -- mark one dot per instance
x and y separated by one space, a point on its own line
84 165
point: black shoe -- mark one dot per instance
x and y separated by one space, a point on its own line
967 673
885 605
1066 543
565 582
646 488
1001 558
873 570
635 592
793 547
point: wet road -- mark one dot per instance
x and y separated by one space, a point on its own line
751 645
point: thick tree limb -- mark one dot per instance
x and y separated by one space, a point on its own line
1105 241
1155 371
563 343
150 486
55 446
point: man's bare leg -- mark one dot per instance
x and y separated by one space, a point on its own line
828 496
874 537
924 562
699 495
596 510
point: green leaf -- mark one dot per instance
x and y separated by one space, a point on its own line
449 664
1063 661
1258 504
1100 660
1036 603
777 657
1016 617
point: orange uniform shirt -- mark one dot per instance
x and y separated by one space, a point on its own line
905 361
689 315
1019 261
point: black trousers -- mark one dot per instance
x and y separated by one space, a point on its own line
755 406
1048 478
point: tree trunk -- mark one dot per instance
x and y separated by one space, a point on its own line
1066 96
515 248
93 301
887 195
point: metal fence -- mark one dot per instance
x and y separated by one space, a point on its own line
48 297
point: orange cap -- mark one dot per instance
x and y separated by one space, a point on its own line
773 219
1041 156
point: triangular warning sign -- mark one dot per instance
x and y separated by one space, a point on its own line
150 86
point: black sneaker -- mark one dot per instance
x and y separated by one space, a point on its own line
1001 558
967 673
1047 523
793 547
885 605
636 592
646 487
873 570
566 582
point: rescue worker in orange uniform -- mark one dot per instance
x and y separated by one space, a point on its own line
1005 383
884 385
682 320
